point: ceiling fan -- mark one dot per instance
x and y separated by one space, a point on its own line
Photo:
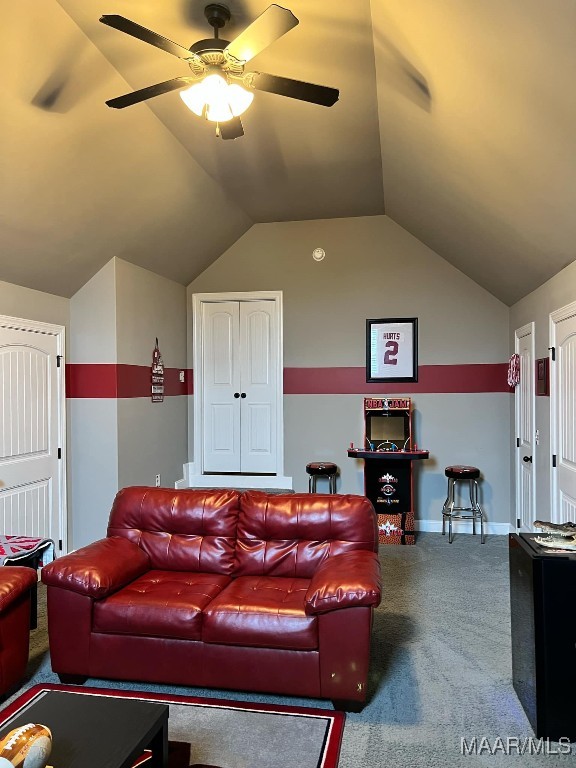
219 89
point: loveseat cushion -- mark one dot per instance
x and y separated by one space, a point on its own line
262 612
159 604
182 530
292 534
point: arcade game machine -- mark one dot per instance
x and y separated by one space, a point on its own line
388 454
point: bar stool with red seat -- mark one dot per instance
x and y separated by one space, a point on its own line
462 473
317 469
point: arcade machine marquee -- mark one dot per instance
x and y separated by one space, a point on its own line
388 454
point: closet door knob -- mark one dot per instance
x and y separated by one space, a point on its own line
243 395
236 394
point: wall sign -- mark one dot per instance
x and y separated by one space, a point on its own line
542 376
392 349
157 376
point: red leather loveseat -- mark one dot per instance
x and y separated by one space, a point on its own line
222 589
16 584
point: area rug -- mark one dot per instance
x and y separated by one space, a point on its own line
218 733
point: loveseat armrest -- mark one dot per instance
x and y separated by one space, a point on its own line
15 580
343 581
98 569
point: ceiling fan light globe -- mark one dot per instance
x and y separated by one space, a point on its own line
194 98
219 112
215 87
239 99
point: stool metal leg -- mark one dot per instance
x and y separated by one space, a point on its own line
448 510
473 505
332 483
478 511
452 492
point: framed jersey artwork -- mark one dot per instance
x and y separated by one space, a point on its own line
392 349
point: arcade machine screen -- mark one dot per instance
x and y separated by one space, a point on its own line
387 433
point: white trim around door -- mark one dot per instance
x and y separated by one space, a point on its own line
525 420
58 429
195 474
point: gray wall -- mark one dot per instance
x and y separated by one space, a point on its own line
115 442
16 301
373 268
93 429
152 437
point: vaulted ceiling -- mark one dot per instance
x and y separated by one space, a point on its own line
456 118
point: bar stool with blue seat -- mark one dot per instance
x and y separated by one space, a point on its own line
317 469
462 473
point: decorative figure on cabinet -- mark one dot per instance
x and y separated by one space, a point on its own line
558 535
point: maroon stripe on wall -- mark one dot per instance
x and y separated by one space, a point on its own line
483 377
108 380
91 380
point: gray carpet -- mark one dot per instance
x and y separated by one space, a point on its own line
441 664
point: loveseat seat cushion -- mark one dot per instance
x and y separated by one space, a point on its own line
180 530
159 604
292 534
261 612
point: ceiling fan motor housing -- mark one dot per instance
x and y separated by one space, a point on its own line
217 15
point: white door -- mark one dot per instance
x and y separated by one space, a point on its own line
239 386
32 497
221 386
258 386
525 426
563 414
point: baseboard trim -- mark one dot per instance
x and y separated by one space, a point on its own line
192 480
464 526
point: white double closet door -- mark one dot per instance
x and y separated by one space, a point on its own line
240 386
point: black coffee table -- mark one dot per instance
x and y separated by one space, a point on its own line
94 731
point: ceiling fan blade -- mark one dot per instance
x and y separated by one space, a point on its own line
131 28
268 27
231 129
294 89
148 93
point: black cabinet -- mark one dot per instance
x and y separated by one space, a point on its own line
543 622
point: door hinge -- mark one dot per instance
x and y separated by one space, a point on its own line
553 459
552 351
517 442
58 360
60 544
59 453
518 522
